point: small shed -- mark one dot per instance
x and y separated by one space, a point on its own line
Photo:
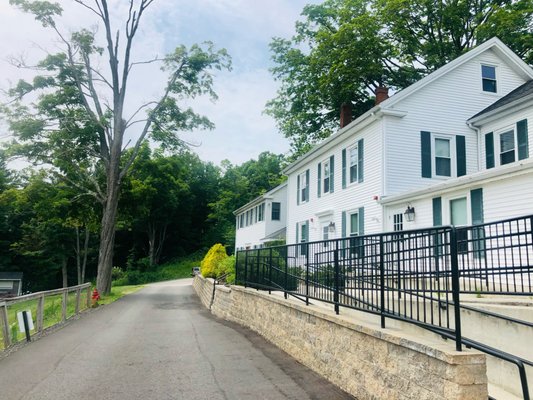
10 284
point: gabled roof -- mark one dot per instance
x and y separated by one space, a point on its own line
519 93
387 106
259 199
8 276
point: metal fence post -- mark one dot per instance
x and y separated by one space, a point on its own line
245 267
336 279
5 325
270 272
307 281
285 295
260 275
382 281
455 287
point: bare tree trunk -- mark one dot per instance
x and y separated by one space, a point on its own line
109 218
85 251
64 262
151 243
159 249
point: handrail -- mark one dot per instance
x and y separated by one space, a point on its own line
40 297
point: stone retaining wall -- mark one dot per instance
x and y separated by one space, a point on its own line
369 363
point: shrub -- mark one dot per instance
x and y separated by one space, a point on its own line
117 273
227 266
208 266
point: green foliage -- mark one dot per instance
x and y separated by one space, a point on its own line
176 269
209 265
226 267
344 49
239 185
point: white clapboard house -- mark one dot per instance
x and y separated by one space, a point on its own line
453 148
262 220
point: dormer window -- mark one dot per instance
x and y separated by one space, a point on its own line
488 77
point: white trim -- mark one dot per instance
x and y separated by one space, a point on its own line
464 182
267 196
500 112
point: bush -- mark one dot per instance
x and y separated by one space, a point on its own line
117 273
227 266
209 265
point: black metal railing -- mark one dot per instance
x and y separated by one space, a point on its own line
415 276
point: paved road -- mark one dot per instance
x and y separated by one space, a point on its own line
159 343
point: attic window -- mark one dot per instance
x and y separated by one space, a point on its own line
488 76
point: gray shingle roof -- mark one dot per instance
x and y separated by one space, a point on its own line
521 91
10 275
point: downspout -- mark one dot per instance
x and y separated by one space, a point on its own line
478 131
383 169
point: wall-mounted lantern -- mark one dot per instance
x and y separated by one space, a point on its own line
331 227
409 214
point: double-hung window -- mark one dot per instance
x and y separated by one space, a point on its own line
488 78
326 174
354 159
276 211
507 147
303 187
443 157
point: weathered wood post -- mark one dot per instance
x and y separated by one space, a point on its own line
64 305
39 318
5 325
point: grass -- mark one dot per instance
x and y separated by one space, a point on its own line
177 269
53 309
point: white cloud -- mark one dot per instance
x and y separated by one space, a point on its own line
243 27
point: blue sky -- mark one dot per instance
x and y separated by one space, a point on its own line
244 27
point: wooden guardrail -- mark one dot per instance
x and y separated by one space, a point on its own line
40 297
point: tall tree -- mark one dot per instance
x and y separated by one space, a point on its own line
344 49
73 114
239 185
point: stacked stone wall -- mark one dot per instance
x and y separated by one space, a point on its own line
369 363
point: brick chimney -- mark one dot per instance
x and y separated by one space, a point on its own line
346 114
382 93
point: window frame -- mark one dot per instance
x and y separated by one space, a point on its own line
498 134
483 79
272 211
453 155
304 189
325 181
355 149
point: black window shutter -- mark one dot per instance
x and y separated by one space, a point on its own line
437 211
425 144
521 134
344 168
360 160
489 150
319 174
361 213
476 201
461 155
331 174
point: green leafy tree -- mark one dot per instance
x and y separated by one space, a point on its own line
239 185
78 123
343 50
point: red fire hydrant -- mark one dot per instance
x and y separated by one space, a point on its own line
94 298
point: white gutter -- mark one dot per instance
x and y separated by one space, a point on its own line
519 104
491 175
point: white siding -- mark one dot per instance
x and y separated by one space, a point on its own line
279 196
353 197
498 126
507 197
250 235
443 106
